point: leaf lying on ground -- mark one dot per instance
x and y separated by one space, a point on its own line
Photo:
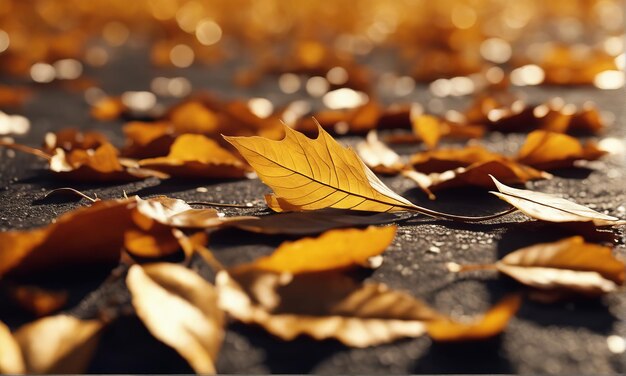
180 309
551 208
36 300
311 222
570 264
428 128
441 160
70 139
334 249
323 306
196 156
490 324
378 156
11 359
147 140
315 174
550 150
58 344
476 175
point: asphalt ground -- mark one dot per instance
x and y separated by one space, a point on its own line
562 338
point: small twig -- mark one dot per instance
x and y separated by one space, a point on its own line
26 149
72 190
208 257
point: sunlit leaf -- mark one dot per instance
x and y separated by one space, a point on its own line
547 207
11 360
441 160
58 344
378 156
314 174
180 309
549 150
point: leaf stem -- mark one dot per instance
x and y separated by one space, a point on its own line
72 190
219 204
453 267
26 149
461 218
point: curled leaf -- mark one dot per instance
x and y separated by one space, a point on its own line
569 264
180 309
147 140
550 150
441 160
58 344
70 139
196 156
551 208
378 156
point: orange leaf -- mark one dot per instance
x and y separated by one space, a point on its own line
549 150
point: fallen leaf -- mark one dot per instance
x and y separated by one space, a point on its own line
58 344
147 140
569 264
476 175
334 249
69 139
193 117
149 238
547 207
490 324
180 309
550 150
378 156
36 300
311 222
323 306
107 108
11 360
441 160
314 174
196 156
428 128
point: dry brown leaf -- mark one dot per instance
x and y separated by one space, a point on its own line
378 156
311 222
476 175
11 359
549 150
196 156
149 238
569 264
58 344
108 108
490 324
334 249
180 309
36 300
551 208
315 174
70 139
323 306
441 160
147 140
11 96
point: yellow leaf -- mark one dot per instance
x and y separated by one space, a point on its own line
428 128
196 156
551 208
334 249
323 306
492 323
180 309
549 150
58 344
447 159
11 360
314 174
569 264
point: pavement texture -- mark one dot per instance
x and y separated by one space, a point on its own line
562 338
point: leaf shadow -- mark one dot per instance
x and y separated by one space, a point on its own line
167 186
468 201
232 246
299 356
579 173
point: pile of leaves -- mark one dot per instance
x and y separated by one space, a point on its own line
326 197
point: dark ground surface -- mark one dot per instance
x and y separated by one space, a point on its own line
562 338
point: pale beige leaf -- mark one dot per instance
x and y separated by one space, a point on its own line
551 208
11 361
315 174
378 156
58 344
323 306
569 264
180 309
